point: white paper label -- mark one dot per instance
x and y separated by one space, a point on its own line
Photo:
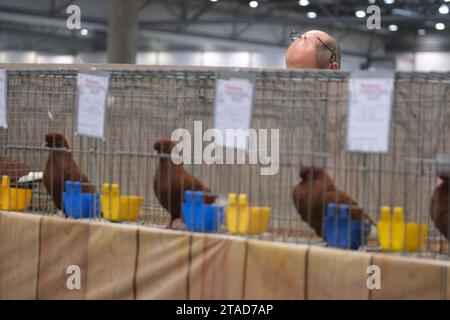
369 114
3 122
233 112
92 93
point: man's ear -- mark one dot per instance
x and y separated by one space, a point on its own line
334 65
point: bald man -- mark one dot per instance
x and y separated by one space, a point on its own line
314 49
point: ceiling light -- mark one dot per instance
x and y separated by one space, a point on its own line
303 3
84 32
213 0
443 9
311 15
440 26
421 32
389 1
253 4
393 27
360 14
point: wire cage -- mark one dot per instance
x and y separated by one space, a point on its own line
309 108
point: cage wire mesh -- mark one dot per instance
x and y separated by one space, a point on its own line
309 108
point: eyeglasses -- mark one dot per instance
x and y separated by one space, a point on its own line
294 35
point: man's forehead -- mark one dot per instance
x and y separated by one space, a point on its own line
308 33
294 35
316 33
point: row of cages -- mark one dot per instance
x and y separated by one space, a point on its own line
382 202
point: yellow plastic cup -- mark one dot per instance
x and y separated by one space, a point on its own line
242 219
119 208
416 234
398 230
383 228
258 220
391 233
13 199
232 213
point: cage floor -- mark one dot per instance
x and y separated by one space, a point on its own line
435 247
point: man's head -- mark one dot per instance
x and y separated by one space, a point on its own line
313 50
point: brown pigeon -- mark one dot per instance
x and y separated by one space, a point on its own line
439 205
314 192
13 168
61 167
171 180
